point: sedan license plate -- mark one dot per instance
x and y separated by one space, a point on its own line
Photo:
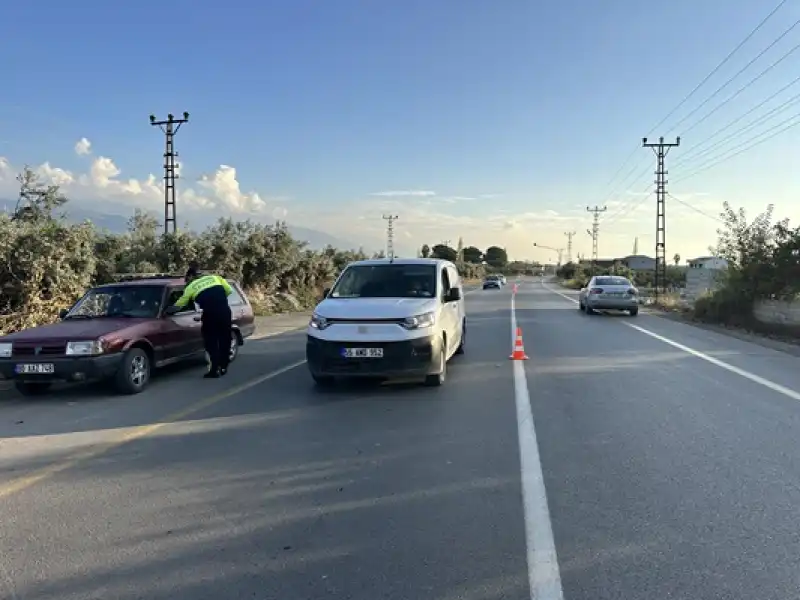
362 352
36 369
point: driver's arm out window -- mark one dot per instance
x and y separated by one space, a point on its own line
173 297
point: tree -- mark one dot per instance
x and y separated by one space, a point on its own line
460 250
425 251
496 257
473 255
36 201
444 252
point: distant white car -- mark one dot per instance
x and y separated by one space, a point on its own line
609 292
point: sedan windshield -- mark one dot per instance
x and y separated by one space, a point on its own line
386 281
138 301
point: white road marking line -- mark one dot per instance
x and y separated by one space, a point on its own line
775 387
549 289
544 576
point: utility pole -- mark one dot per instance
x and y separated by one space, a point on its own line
558 251
390 219
569 235
661 149
595 232
170 127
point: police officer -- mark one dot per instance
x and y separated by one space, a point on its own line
210 293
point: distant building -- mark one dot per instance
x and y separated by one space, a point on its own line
708 262
704 275
639 262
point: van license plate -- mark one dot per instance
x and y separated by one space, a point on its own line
36 369
362 352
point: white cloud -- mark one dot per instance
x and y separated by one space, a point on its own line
103 182
83 147
55 175
405 193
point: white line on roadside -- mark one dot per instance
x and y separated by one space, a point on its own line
544 576
775 387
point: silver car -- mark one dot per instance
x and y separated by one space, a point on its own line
609 292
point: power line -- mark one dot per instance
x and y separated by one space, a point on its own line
661 149
765 117
170 127
694 91
595 232
747 113
390 219
695 209
747 85
739 72
745 146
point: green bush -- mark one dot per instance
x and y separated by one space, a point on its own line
48 263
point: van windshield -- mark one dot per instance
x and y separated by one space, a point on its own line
386 281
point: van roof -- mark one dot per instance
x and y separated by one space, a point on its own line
374 262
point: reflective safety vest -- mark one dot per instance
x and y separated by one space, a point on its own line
209 292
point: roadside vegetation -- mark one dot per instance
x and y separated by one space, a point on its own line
575 276
763 258
763 264
49 262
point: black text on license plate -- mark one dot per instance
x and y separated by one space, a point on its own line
362 352
36 369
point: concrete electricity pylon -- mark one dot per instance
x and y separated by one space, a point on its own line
390 219
170 127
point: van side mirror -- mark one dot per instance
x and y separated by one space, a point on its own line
63 313
453 295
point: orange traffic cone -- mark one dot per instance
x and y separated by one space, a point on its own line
519 348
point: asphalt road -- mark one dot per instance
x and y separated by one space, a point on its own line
670 472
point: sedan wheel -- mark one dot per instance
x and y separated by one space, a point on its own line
134 372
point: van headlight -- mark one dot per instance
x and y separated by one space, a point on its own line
420 321
87 348
319 322
5 349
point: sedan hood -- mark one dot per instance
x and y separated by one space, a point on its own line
374 308
74 329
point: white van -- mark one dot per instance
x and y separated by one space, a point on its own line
389 318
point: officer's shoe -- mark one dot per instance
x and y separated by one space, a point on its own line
212 374
223 371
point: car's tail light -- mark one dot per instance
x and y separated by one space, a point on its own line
596 291
632 291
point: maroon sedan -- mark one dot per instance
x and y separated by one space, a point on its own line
116 332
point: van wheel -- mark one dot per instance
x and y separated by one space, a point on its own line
32 388
460 349
134 372
439 378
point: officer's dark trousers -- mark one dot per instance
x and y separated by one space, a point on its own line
217 338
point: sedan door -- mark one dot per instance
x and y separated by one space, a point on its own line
185 336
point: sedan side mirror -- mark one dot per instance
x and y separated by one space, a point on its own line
325 293
63 313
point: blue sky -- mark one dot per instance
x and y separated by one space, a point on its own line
528 108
